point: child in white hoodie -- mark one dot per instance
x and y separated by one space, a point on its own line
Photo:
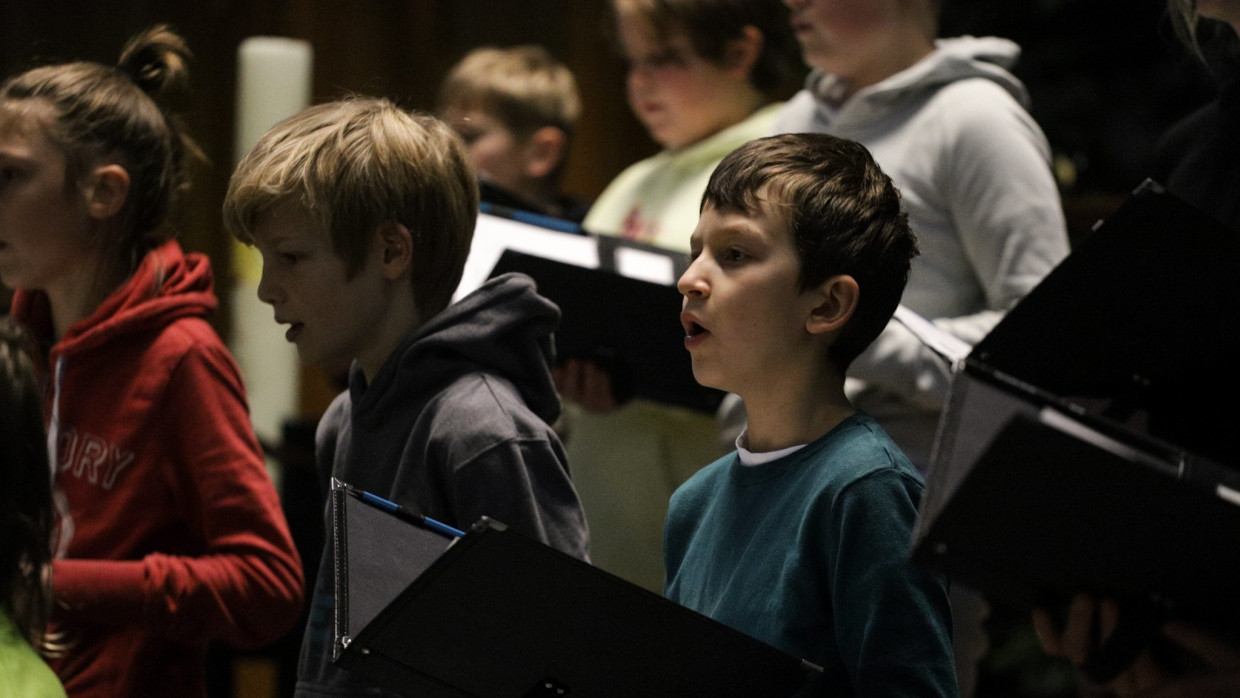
949 124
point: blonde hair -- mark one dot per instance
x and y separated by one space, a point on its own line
359 162
524 87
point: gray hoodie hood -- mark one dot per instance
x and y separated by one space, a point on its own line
503 328
953 60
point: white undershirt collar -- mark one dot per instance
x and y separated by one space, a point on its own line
749 458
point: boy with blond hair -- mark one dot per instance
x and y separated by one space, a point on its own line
363 214
800 536
516 109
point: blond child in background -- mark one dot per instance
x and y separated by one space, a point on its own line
516 109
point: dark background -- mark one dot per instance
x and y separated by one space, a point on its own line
1106 78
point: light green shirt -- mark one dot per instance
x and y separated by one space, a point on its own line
22 671
657 200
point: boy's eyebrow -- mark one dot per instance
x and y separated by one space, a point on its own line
744 228
14 156
271 239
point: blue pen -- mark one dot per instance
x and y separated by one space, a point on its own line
401 511
538 219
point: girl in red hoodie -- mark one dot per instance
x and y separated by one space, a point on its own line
170 531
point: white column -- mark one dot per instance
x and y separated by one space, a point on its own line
273 82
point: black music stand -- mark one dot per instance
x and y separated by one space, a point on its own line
1084 445
495 613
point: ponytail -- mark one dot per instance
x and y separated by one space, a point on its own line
156 60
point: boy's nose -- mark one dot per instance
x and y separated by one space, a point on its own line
267 291
638 78
691 283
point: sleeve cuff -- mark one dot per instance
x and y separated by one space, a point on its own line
99 589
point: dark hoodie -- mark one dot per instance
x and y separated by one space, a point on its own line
171 533
1198 158
455 426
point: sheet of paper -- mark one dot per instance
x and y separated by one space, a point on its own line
493 234
644 265
947 345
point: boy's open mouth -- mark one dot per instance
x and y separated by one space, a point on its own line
692 327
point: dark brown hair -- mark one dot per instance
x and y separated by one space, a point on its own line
844 215
711 24
26 515
1213 42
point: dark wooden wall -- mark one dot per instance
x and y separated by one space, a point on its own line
1105 75
400 49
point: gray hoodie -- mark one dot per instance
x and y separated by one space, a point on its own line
973 169
455 426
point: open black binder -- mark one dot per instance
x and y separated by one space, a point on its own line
494 613
1083 446
618 301
630 326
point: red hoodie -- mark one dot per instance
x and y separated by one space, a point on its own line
173 534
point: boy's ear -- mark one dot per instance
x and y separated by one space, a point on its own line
743 52
544 151
396 249
106 190
837 301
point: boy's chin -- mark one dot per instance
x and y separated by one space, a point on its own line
708 380
312 359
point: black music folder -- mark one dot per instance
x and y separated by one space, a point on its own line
628 325
1089 442
495 614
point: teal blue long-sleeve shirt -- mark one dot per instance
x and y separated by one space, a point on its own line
809 553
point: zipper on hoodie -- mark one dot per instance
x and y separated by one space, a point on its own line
65 520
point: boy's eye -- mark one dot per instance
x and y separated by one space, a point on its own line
733 255
290 257
661 59
658 60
